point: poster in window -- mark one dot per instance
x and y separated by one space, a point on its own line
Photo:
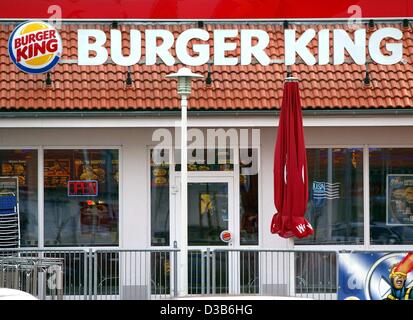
91 170
15 168
56 172
207 204
160 176
399 198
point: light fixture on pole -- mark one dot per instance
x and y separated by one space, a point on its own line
184 77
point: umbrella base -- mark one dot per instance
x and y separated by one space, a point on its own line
287 227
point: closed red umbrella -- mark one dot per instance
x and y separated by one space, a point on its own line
290 169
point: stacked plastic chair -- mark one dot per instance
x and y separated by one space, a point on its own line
9 221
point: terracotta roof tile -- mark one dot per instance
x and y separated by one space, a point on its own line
234 87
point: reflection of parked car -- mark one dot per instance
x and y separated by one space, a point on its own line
351 233
404 234
380 233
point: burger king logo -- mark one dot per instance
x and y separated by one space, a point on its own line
35 47
226 236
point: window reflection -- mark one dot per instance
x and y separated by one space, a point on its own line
248 181
335 207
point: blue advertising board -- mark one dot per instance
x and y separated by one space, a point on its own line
366 276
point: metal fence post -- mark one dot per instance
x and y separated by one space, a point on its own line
214 271
202 273
95 275
175 269
90 256
292 274
337 284
208 271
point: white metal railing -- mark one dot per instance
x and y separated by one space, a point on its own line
100 274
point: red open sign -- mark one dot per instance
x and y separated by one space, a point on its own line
77 188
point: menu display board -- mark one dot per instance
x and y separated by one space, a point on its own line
15 168
56 172
90 170
95 170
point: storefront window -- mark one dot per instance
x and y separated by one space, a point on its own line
391 196
81 197
23 165
335 207
248 182
159 197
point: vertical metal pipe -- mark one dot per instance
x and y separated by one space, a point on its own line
90 268
191 271
146 281
306 278
127 273
184 199
159 257
175 269
320 282
257 275
164 273
214 272
329 202
140 272
366 195
119 278
156 278
40 197
104 283
208 271
135 277
221 286
276 270
202 273
95 276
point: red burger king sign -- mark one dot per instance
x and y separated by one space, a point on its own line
35 47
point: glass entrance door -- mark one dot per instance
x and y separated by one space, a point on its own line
210 213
